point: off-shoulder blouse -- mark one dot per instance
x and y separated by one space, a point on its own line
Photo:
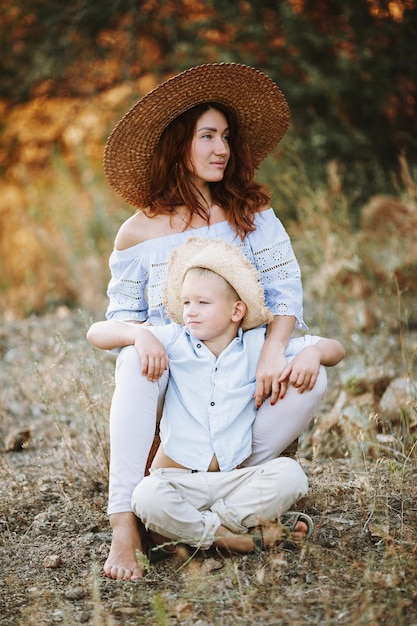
136 286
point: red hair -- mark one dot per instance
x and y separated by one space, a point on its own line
238 194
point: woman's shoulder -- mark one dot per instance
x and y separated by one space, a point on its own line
266 207
267 221
267 212
135 230
129 233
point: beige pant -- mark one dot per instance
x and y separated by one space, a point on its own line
189 507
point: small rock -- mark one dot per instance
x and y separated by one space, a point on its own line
211 565
181 609
84 617
397 398
57 616
125 611
359 378
17 440
378 532
74 593
53 561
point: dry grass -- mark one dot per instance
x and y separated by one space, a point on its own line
360 567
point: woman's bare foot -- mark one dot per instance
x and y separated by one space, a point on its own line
121 563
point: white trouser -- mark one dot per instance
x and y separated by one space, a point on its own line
136 403
189 507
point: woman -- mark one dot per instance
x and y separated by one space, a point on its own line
185 155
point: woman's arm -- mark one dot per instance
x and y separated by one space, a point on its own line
272 360
279 271
280 276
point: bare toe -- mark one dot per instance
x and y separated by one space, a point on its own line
300 531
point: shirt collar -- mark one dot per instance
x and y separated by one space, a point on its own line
195 341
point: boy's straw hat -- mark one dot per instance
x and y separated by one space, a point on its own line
260 107
227 261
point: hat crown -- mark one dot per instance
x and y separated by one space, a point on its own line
228 262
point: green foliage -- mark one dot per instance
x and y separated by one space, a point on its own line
143 560
160 610
350 101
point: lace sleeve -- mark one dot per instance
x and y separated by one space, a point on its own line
127 288
278 267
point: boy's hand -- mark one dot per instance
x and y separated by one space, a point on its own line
152 354
303 370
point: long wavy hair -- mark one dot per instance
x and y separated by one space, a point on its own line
171 185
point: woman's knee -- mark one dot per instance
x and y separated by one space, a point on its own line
129 359
320 387
129 379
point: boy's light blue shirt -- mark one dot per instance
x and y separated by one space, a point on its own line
209 407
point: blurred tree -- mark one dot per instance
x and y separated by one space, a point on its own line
347 69
355 97
349 73
69 49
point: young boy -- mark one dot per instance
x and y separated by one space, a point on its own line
200 491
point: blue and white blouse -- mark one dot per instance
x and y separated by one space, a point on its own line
138 273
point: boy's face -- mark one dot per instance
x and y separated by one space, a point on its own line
209 307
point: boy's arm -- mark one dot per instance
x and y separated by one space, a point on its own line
331 351
111 334
303 370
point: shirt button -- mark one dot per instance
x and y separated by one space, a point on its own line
212 403
199 345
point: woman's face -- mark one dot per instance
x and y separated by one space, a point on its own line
209 150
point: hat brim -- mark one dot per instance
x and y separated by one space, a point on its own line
261 109
223 259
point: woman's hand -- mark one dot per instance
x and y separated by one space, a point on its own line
272 361
269 381
152 354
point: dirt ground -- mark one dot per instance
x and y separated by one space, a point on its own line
360 567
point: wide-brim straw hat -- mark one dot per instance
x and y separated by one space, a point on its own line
261 109
223 259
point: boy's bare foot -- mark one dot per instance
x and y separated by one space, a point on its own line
121 563
272 534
